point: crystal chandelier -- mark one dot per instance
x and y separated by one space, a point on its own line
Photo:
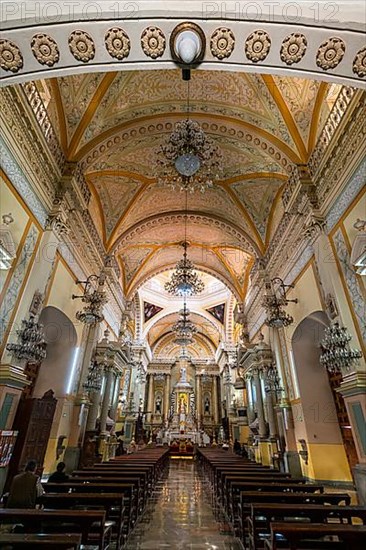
190 160
184 328
184 280
93 381
94 300
336 351
274 302
31 344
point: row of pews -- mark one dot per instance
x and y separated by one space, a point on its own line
271 510
98 505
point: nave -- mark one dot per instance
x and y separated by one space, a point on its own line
179 515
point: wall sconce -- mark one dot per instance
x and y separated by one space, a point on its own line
274 301
94 298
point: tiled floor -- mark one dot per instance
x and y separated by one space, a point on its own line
179 516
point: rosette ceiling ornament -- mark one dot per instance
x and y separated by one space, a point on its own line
274 302
189 160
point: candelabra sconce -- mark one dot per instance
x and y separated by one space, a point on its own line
94 298
31 345
304 453
274 302
337 355
93 381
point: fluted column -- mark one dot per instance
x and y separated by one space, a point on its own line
198 400
167 397
250 409
215 400
150 399
106 398
259 404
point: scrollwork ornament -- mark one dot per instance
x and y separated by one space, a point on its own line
45 49
11 58
330 53
222 43
257 46
82 46
293 48
117 43
359 63
153 42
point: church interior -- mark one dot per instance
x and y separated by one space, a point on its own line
182 276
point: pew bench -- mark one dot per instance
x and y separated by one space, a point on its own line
296 535
54 541
261 516
111 503
91 524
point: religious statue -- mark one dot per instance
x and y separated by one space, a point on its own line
207 406
183 374
158 405
182 406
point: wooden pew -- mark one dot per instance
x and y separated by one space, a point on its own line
351 537
111 503
261 515
91 524
54 541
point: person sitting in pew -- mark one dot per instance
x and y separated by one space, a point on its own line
59 475
25 488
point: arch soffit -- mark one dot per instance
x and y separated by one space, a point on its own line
166 339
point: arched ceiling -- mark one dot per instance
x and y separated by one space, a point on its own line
112 124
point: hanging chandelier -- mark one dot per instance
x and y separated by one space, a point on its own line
31 345
189 160
336 351
93 381
94 299
184 328
184 280
274 301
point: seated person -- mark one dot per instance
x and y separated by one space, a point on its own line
25 488
59 476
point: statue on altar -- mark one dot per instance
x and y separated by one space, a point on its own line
183 374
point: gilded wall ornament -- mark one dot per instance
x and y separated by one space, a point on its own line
153 42
330 53
11 58
359 63
293 48
82 46
222 43
45 49
117 43
257 46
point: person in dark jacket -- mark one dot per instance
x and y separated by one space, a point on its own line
59 476
25 488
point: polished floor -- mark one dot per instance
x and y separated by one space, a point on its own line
179 516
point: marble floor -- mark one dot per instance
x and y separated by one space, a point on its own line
179 516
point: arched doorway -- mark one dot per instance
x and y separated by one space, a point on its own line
323 423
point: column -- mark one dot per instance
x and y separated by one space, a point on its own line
270 406
250 410
167 397
259 404
198 400
150 400
106 398
94 399
215 399
115 395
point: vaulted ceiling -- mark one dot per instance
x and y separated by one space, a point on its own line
113 124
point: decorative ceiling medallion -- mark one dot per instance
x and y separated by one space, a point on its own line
11 58
257 46
222 43
117 43
359 63
82 46
293 48
45 49
153 42
330 53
